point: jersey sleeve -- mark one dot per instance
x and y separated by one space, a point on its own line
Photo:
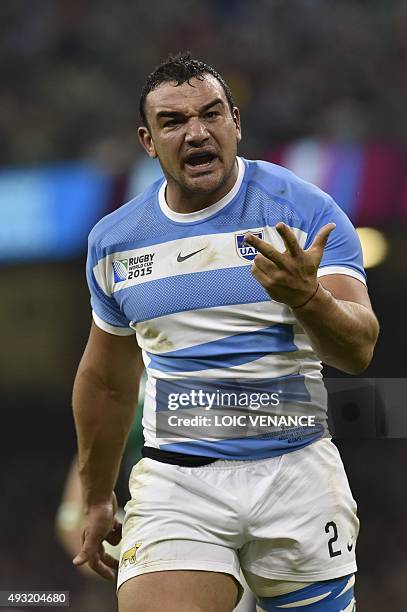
343 251
105 309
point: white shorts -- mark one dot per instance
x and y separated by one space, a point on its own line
291 517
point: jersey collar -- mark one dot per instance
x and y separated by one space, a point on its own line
205 212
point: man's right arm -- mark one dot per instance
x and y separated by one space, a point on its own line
104 399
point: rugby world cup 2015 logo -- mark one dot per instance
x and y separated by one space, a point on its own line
246 251
120 270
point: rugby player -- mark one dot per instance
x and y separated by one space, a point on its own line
237 272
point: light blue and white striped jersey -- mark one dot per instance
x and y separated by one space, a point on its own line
183 284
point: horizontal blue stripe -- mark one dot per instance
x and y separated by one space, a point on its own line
227 352
186 230
107 312
257 204
190 292
259 447
180 229
331 603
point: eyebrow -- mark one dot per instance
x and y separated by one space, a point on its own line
206 107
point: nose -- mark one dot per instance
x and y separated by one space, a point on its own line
196 132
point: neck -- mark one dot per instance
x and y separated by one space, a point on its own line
183 201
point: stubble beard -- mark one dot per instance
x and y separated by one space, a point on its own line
193 187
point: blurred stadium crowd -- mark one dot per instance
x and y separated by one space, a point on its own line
322 88
72 70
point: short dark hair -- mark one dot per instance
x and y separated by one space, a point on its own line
180 68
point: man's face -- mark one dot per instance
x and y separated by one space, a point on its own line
193 133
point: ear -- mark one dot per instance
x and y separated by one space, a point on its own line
236 119
146 141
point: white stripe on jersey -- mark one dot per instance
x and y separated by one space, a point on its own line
192 327
217 252
112 329
325 270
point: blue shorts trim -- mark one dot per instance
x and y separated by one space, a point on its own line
333 602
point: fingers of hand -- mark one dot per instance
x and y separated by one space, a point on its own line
290 241
102 563
264 248
265 265
114 502
260 276
100 567
91 538
80 558
115 534
89 548
266 273
110 561
322 237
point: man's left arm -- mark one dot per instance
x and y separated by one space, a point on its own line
340 323
335 310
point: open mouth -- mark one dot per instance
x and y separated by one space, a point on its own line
200 160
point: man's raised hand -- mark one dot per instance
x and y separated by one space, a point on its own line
289 277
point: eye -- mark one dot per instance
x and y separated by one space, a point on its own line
211 114
171 123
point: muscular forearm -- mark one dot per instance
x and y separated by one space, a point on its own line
103 418
343 334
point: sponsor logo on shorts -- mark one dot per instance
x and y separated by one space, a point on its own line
246 251
129 557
